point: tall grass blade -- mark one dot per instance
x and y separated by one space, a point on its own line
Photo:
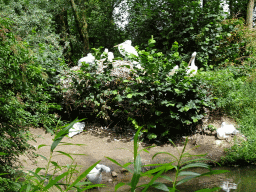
53 182
83 175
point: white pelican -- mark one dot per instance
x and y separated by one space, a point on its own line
76 129
110 55
193 66
226 186
126 48
88 59
225 130
95 175
174 69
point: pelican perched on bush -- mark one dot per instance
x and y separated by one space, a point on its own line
193 66
88 59
126 48
110 55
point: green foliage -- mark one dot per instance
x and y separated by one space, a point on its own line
7 185
235 90
222 41
171 21
66 180
62 178
22 98
179 165
178 99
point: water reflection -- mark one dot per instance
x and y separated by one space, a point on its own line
239 179
227 186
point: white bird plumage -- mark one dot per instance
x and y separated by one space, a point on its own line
95 175
76 129
88 59
193 66
174 69
110 55
226 130
190 68
226 186
126 48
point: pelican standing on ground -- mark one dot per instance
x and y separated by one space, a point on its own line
193 66
95 175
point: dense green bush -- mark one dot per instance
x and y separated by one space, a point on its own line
177 104
235 89
23 100
224 41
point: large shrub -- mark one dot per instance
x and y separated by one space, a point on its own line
153 99
22 98
225 41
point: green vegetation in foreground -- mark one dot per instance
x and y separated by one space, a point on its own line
235 88
63 180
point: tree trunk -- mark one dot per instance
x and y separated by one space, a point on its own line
231 9
249 16
204 3
82 27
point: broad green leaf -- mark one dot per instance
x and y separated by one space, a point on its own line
190 173
185 180
151 183
119 185
137 173
193 165
38 169
65 154
4 174
39 146
61 134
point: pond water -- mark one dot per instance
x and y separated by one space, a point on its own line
239 179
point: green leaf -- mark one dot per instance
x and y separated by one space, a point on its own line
61 134
55 164
82 176
190 173
137 173
38 169
185 180
65 154
119 185
4 173
193 165
39 146
43 157
53 182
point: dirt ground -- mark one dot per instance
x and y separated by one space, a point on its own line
100 143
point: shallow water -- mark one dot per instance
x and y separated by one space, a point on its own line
239 179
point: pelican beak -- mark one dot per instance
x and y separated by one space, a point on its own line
116 45
190 61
